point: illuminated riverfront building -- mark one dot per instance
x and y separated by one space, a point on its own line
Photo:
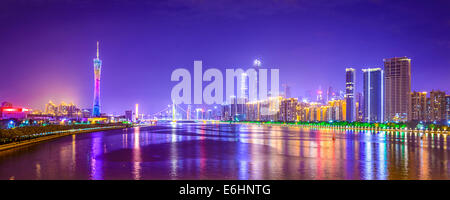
447 108
350 78
288 109
437 103
435 108
243 99
359 102
50 108
136 112
419 107
398 88
188 112
97 72
373 95
129 115
7 111
334 110
63 109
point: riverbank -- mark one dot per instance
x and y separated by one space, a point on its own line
55 135
346 127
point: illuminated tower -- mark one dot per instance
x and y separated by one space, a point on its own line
137 112
350 77
398 88
373 94
97 71
188 112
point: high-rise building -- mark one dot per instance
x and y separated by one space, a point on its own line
97 71
286 91
188 112
359 106
51 108
319 97
437 106
129 115
136 112
398 88
419 106
330 94
447 106
288 109
373 95
7 111
350 78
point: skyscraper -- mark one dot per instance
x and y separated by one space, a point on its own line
359 104
447 107
437 106
350 78
137 112
97 71
419 106
398 88
373 95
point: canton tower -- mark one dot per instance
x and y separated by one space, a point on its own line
97 70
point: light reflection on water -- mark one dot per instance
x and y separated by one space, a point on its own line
212 151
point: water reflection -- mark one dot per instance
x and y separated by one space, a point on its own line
96 167
213 151
136 154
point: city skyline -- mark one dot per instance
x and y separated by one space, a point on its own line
136 60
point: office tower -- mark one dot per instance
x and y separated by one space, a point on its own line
233 108
319 96
447 106
209 114
226 112
129 115
419 106
288 109
188 112
330 94
243 99
256 91
373 94
137 112
50 108
286 91
437 106
398 88
359 106
350 78
97 71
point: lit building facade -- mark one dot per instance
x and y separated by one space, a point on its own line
437 110
129 115
397 88
447 106
62 110
373 94
14 113
359 106
419 108
288 109
350 78
97 72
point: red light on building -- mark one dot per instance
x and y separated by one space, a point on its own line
16 113
11 110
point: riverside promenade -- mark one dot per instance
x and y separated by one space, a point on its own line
56 134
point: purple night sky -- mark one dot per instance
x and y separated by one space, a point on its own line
47 46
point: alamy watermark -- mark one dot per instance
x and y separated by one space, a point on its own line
253 80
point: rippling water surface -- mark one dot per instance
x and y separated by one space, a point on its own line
223 151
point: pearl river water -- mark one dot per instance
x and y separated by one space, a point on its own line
231 151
